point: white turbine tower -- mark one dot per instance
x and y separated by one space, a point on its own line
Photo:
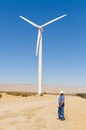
39 47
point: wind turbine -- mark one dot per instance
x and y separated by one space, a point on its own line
39 46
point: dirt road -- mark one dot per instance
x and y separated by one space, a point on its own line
40 113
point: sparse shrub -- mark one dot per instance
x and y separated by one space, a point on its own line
41 94
23 94
83 95
0 95
44 92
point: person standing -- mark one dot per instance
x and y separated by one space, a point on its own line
61 104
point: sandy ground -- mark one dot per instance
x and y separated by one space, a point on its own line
40 113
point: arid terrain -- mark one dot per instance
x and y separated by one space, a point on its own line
48 89
40 113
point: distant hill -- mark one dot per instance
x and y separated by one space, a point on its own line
48 89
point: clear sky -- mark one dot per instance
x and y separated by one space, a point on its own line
64 42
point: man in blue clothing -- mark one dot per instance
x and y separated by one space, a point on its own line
61 106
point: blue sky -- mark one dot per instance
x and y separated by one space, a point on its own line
64 42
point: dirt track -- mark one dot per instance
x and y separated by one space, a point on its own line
40 113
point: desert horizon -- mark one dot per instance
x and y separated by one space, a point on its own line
46 88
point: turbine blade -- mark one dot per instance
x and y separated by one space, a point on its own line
38 41
53 20
27 20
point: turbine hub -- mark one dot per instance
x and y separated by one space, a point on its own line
41 28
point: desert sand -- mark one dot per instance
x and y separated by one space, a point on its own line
40 113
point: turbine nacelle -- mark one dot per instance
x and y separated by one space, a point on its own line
41 28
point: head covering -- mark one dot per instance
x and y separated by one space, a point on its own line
61 92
